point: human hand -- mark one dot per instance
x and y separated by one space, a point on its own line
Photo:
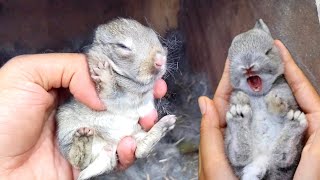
28 93
309 101
213 163
213 123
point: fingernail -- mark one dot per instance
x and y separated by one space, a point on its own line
202 105
100 106
132 145
157 116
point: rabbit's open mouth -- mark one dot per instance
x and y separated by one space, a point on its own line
255 83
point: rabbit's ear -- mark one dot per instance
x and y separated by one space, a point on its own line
261 25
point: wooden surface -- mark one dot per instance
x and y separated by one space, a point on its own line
31 25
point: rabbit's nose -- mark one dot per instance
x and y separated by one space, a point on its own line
249 71
159 61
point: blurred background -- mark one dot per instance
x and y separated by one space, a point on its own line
208 25
198 34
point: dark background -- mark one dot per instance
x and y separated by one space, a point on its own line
33 26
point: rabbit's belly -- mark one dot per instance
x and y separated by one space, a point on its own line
116 127
265 127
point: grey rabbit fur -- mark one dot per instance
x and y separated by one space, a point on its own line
264 124
124 59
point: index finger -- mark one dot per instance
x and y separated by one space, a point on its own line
306 96
125 150
222 94
160 88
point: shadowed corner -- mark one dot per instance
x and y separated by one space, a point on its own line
1 8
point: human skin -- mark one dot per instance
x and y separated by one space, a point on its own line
29 97
213 163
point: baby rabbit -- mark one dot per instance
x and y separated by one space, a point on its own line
125 59
264 124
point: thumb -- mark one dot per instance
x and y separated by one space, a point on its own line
56 70
213 162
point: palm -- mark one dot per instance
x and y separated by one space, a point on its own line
37 157
44 160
